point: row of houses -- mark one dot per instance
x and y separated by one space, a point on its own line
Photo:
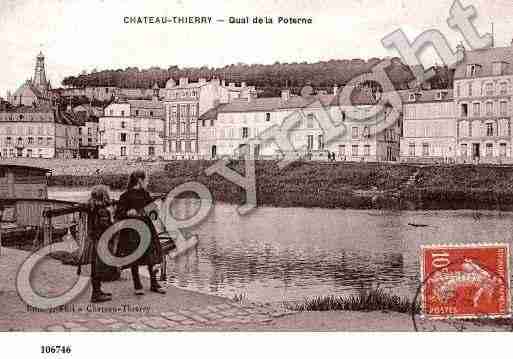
211 119
469 123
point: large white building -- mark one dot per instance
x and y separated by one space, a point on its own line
429 126
132 129
241 123
185 102
483 85
40 132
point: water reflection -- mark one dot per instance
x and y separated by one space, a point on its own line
277 254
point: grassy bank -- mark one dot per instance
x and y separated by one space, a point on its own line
338 185
300 184
369 300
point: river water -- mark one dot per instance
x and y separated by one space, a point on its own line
288 254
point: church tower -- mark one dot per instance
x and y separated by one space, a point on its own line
39 73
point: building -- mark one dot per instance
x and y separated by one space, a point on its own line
185 103
482 94
241 122
22 182
207 134
87 116
132 129
35 91
429 126
42 132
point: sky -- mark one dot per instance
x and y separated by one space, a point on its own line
82 35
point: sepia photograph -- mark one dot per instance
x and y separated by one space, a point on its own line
255 166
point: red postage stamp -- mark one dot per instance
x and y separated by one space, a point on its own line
465 281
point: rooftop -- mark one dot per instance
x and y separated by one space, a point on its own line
485 58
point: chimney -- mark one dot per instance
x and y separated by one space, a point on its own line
335 89
183 81
460 52
285 95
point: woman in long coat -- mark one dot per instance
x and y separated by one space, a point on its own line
130 205
98 220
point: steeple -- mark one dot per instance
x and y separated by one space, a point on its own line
40 74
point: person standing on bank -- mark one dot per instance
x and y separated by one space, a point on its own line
98 220
131 205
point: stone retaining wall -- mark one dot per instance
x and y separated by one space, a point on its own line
86 166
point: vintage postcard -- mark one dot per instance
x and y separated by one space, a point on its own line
222 166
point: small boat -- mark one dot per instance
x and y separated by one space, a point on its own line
418 225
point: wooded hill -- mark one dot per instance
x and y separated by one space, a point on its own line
269 79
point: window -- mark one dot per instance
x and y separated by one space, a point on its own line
123 151
211 123
411 149
489 89
489 129
411 97
309 142
40 140
503 108
470 92
188 146
477 109
366 132
504 88
464 110
354 150
48 141
203 123
137 112
178 146
268 116
309 120
137 140
151 151
473 70
366 150
320 142
425 149
123 124
111 112
8 141
489 108
123 137
151 113
244 132
122 114
354 132
489 149
342 150
458 90
502 150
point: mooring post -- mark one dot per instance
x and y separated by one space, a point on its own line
81 229
163 268
47 227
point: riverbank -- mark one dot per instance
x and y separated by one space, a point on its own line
336 185
181 310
